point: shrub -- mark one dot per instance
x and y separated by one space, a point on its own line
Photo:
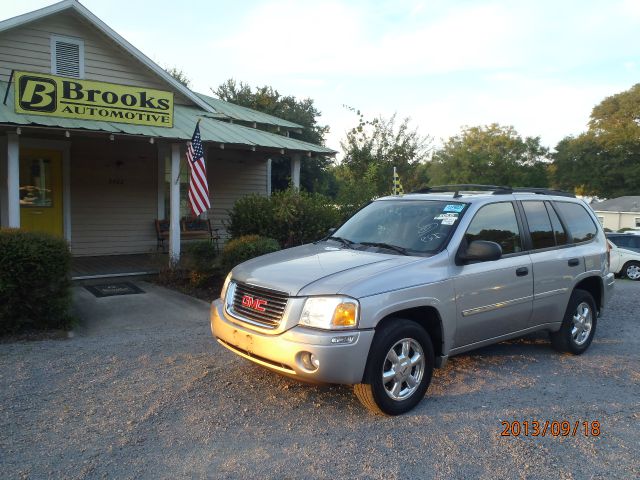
200 259
34 281
245 248
291 217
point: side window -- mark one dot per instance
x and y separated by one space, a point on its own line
621 241
558 230
579 222
539 225
496 223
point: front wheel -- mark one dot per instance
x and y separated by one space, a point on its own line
578 326
632 271
399 368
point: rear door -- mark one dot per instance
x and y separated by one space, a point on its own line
493 298
554 261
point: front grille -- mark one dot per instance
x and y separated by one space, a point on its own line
274 307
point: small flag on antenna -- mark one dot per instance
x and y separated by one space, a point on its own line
397 186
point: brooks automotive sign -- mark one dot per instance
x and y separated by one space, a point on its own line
41 94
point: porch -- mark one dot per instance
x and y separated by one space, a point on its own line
109 266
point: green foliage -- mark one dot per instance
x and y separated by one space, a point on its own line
179 75
291 217
314 175
200 259
605 160
493 155
34 281
244 248
371 150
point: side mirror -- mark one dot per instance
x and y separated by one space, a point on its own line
331 230
479 251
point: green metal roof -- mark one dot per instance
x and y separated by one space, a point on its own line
245 114
184 121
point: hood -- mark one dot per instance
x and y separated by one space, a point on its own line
315 269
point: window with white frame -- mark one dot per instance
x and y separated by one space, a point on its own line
67 56
637 222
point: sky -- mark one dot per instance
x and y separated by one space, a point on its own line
537 65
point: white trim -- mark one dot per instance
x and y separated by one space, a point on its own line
616 212
64 147
72 40
113 35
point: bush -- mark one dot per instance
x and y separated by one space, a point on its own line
34 281
200 259
291 217
245 248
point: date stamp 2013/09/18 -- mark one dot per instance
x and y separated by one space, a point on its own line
550 428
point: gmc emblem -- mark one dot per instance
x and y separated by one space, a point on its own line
253 303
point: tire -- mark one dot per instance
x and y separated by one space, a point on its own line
631 270
404 390
578 326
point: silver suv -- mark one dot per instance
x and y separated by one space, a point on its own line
411 280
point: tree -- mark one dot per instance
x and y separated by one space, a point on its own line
371 150
179 75
314 175
493 155
604 160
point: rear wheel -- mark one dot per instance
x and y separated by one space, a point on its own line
399 368
632 271
578 326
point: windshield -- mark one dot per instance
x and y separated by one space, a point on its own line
419 227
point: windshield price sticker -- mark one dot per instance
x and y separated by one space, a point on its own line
453 208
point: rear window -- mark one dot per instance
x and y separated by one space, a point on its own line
580 224
539 225
558 230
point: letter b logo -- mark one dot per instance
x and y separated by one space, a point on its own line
37 94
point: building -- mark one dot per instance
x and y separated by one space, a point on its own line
93 136
618 213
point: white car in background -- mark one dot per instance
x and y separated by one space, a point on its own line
624 262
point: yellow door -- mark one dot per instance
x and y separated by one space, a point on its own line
41 191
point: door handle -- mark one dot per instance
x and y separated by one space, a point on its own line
574 262
522 271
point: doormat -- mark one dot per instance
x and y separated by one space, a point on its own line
113 289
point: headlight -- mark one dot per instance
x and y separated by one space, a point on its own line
225 286
330 313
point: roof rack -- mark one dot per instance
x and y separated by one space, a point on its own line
494 189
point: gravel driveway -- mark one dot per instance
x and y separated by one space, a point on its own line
143 391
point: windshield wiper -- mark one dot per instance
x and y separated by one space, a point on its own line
396 248
344 241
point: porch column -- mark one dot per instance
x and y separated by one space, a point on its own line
163 153
174 225
269 177
295 170
13 181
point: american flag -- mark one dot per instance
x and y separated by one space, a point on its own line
198 188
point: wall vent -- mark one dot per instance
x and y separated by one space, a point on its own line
67 56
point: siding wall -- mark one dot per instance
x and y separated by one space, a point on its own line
112 206
28 47
615 220
233 175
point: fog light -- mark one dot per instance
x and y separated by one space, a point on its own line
309 361
346 339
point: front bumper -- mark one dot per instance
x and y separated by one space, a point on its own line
337 363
